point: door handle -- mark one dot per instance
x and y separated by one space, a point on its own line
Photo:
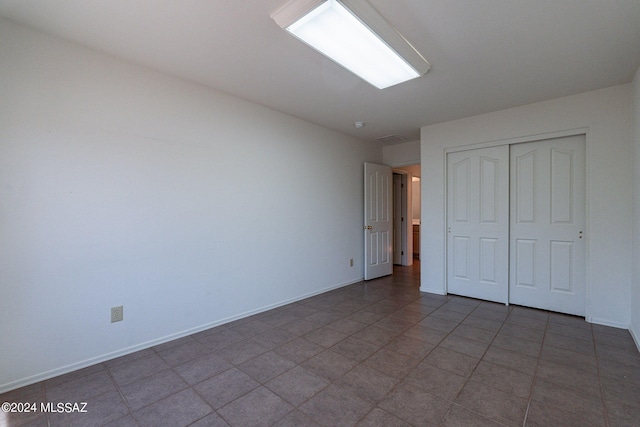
368 227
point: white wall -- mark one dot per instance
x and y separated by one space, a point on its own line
122 186
635 285
607 116
407 153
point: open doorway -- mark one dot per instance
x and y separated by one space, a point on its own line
406 214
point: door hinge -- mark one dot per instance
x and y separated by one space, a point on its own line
401 252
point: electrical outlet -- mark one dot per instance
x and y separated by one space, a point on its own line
117 314
351 262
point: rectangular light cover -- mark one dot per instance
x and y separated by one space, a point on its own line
334 31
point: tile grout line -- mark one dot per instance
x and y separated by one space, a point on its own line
124 399
605 409
509 310
375 405
330 382
444 338
453 402
535 372
394 388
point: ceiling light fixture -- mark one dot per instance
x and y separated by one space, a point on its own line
353 34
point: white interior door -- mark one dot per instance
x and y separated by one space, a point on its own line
547 224
378 221
478 223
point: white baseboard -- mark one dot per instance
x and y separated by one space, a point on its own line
607 322
123 352
635 336
432 291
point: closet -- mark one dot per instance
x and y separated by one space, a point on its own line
516 224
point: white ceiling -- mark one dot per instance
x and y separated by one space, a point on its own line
486 55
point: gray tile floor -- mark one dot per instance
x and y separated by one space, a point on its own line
378 353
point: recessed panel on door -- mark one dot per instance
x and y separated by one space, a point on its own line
488 260
460 184
460 258
525 182
489 190
561 267
562 186
525 262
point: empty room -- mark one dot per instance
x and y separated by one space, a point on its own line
319 213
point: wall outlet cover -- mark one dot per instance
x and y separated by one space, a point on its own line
117 314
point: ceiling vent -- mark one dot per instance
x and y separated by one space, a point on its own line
391 139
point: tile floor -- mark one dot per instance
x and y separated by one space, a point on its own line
371 354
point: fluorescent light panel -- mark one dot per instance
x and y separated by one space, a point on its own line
332 28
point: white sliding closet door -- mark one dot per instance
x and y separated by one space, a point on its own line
547 225
478 223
